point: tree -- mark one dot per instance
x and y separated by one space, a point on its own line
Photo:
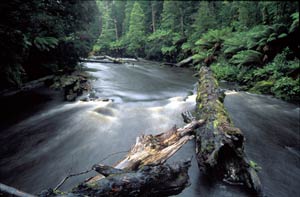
136 34
41 37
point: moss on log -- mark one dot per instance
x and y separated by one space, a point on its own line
219 145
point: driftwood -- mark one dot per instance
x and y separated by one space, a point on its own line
143 171
94 60
186 62
106 59
219 145
155 150
160 180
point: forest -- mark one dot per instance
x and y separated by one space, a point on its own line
252 43
82 81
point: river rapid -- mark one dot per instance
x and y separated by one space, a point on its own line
43 138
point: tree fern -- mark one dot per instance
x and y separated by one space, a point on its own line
247 58
209 39
295 24
237 42
45 43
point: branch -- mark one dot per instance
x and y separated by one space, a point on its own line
4 189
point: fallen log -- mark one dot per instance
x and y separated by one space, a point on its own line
95 60
155 149
27 86
143 171
161 180
10 191
186 62
220 145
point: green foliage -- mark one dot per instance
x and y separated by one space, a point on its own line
237 42
205 18
279 67
247 58
136 34
287 88
202 55
225 71
45 43
245 76
249 14
262 87
254 165
163 42
295 25
40 37
209 39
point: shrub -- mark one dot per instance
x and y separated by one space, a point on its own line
287 88
263 87
225 71
247 58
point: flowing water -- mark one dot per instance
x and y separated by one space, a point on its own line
43 138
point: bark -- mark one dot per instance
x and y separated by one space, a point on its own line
219 145
161 180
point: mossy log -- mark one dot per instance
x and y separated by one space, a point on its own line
220 145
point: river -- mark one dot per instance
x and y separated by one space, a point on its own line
44 138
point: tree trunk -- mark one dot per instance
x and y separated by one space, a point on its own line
116 29
181 21
220 145
153 12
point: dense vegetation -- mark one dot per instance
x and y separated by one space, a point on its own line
250 42
253 43
40 37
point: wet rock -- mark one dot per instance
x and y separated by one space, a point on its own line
73 85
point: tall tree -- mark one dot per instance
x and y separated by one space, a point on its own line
126 22
136 34
249 14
